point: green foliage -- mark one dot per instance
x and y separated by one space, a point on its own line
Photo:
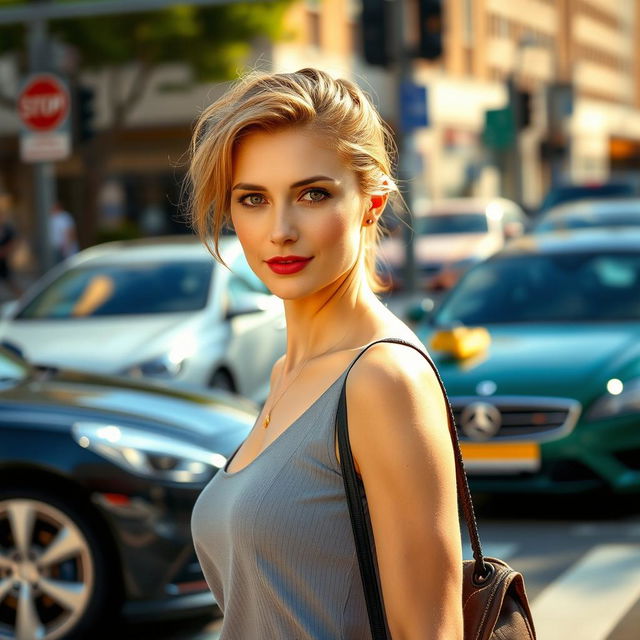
212 40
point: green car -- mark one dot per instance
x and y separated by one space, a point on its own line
546 393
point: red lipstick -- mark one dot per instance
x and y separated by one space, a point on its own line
286 265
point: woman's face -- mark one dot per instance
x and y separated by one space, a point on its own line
297 210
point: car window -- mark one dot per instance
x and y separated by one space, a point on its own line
124 289
455 223
550 288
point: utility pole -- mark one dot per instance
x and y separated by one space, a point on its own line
406 152
43 172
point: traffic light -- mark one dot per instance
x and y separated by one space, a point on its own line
376 33
524 106
84 113
430 16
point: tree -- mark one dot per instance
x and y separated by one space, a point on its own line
213 41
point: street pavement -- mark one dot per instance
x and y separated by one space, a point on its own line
580 559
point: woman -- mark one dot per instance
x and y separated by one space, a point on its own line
299 165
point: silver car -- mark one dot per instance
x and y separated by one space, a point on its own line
156 308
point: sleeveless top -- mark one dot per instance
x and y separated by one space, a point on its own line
274 538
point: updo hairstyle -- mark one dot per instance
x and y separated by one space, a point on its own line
336 109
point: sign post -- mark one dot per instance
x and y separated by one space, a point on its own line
51 111
44 107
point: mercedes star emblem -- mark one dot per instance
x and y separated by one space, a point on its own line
480 421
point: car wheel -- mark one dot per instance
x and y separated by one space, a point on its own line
56 579
221 379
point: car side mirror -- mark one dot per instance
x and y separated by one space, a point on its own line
420 311
243 306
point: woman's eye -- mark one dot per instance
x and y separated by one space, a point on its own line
252 199
315 195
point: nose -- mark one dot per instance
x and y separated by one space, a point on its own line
283 228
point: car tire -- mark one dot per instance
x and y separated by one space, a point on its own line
56 573
221 379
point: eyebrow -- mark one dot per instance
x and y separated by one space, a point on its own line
301 183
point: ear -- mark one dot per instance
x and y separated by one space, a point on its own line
376 205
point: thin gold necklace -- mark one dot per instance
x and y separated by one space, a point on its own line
267 419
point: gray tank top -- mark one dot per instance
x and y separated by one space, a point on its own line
274 538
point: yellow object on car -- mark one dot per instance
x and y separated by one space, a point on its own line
462 342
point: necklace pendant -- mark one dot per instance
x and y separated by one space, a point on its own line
267 420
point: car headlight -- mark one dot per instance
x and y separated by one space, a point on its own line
621 398
147 454
166 365
161 367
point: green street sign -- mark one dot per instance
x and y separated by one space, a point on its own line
499 128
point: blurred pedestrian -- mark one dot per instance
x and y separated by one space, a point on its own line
63 234
299 163
8 245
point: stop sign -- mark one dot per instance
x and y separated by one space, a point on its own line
43 103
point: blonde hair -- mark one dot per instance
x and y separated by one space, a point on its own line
336 108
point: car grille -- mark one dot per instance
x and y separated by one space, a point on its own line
523 418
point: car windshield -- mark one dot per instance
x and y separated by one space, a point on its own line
123 289
452 223
575 287
622 219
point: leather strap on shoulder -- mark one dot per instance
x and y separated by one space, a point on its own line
359 521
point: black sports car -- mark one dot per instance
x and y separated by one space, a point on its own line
98 477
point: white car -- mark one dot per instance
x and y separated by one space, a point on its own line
159 308
450 236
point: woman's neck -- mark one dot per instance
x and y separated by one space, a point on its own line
332 319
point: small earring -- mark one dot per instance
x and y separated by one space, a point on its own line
369 221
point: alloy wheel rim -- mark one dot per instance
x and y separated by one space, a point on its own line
46 571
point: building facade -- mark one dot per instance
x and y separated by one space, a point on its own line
574 61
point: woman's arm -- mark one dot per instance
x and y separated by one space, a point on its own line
401 444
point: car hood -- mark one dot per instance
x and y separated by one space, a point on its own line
67 396
569 360
442 248
102 344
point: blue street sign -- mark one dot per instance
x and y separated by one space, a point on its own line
413 106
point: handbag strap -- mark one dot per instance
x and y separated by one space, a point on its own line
359 520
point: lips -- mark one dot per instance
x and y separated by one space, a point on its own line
286 265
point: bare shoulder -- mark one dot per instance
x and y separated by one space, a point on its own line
395 401
392 369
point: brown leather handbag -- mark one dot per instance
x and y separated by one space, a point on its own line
494 600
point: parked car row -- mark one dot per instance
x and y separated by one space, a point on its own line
537 339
